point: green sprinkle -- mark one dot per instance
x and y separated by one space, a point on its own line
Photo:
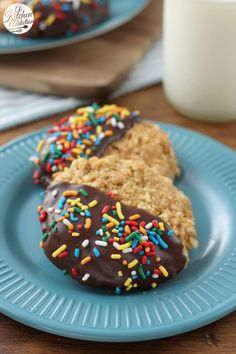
46 156
116 117
83 192
55 229
114 212
45 236
77 209
95 106
53 223
159 232
132 236
141 272
104 228
64 272
105 238
93 119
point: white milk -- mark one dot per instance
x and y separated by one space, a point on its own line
200 57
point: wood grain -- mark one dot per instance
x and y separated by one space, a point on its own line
219 337
85 69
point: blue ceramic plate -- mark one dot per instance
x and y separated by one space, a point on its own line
34 292
121 11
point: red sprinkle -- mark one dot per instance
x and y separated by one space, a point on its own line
155 223
131 223
43 216
63 254
142 224
74 271
80 227
105 209
157 271
138 249
144 260
149 254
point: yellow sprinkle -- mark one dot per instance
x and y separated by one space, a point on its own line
71 210
133 263
71 227
106 108
111 219
77 151
88 223
60 219
147 249
143 230
67 215
154 285
50 19
129 287
41 244
88 151
99 129
116 238
120 273
70 193
115 231
85 260
109 224
125 262
119 211
128 281
158 259
69 158
93 137
59 250
135 285
40 145
107 234
40 208
127 229
93 203
161 226
134 217
75 234
164 271
115 256
124 246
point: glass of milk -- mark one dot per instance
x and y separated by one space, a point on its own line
200 58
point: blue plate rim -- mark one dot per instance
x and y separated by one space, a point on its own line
202 319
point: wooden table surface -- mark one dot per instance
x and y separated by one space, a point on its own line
219 337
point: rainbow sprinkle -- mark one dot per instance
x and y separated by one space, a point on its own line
84 134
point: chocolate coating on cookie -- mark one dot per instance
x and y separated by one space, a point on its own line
59 17
85 134
103 243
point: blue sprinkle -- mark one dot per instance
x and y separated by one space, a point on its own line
120 228
52 149
122 222
97 141
104 220
96 252
170 233
97 232
61 203
148 261
73 218
63 213
87 213
161 242
119 234
141 253
134 277
118 291
69 136
77 252
154 240
148 273
152 233
134 243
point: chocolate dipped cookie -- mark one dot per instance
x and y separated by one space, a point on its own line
111 232
102 131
